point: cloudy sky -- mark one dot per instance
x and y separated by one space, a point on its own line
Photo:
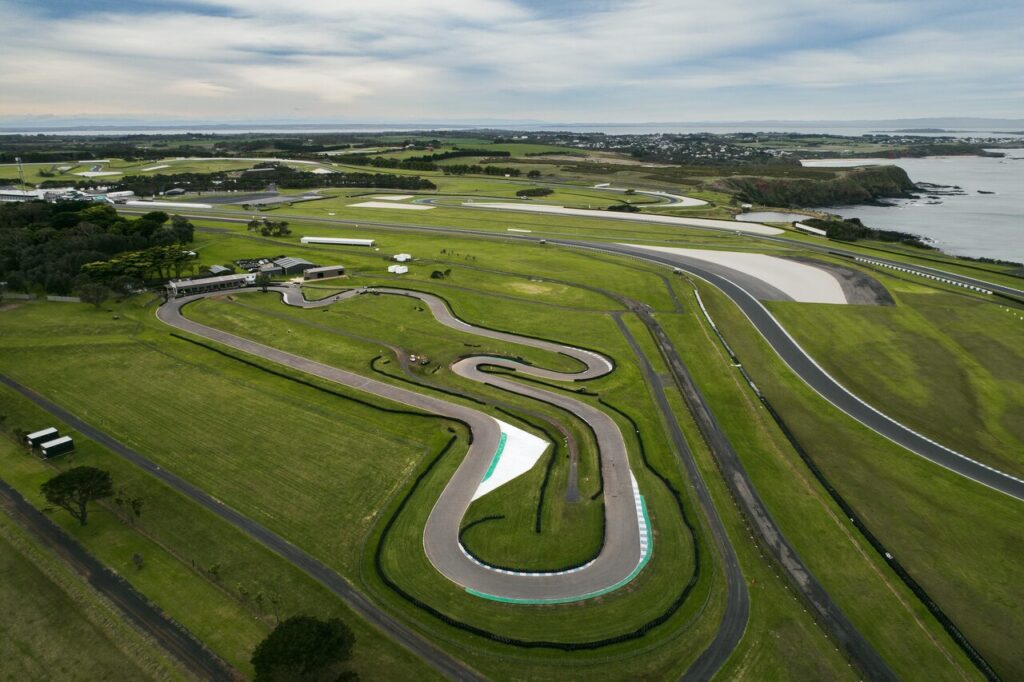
450 60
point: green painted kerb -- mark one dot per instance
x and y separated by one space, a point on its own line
497 456
611 588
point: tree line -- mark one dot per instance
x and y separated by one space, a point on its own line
47 246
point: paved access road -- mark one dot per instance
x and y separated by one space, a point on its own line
623 548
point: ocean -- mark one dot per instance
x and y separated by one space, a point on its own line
987 220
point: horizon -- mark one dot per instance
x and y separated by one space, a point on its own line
516 60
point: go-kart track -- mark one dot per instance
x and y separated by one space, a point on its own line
627 541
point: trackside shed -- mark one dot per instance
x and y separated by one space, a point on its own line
204 285
58 446
338 241
324 272
39 437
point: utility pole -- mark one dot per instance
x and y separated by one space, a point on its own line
21 170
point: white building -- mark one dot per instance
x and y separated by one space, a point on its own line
398 269
338 241
401 257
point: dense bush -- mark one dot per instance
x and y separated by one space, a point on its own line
45 246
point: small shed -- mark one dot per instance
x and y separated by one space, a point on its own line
58 446
292 266
324 272
219 270
401 257
34 439
398 269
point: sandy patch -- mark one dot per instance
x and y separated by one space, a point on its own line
393 197
322 171
97 174
517 452
153 168
533 287
800 281
388 204
730 225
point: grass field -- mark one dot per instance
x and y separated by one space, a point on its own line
56 627
328 473
948 532
942 363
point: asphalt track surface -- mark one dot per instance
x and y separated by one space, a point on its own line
427 652
781 342
827 387
175 639
622 550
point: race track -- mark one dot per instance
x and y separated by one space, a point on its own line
626 546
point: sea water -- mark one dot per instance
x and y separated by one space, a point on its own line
970 224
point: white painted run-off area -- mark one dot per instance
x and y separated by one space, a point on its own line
518 451
752 228
799 281
389 204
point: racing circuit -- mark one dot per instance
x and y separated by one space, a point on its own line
627 542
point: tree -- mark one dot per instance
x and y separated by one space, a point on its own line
94 293
304 648
533 174
263 281
75 488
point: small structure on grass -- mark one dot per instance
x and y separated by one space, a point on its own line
293 266
219 270
338 241
205 285
401 257
42 436
57 446
324 272
398 269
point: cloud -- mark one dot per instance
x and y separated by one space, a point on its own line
451 59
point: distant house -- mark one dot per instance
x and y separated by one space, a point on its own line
401 257
398 269
292 266
325 272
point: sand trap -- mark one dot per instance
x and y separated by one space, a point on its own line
323 171
166 204
388 204
733 226
393 197
518 451
153 168
97 174
800 281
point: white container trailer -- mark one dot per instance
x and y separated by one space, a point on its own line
338 241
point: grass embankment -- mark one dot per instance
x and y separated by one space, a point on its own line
945 530
57 627
201 571
943 364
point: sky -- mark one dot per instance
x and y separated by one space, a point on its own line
510 60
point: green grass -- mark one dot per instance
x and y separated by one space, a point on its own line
944 364
56 626
945 530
